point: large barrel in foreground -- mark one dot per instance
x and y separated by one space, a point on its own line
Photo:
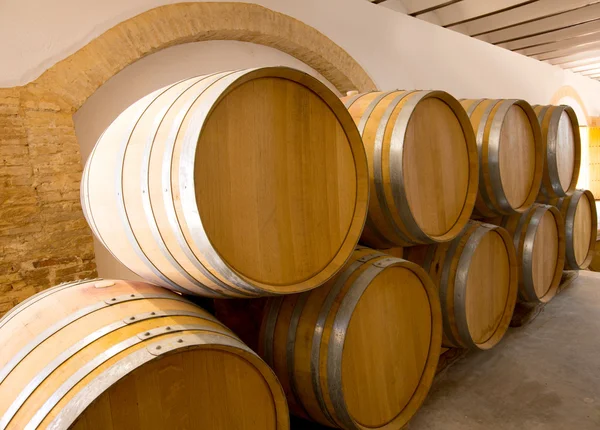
476 275
539 239
129 355
423 166
510 155
242 184
579 213
361 351
562 149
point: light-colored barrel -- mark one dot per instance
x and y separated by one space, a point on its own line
423 166
104 354
579 213
562 149
235 184
511 162
476 275
361 351
539 239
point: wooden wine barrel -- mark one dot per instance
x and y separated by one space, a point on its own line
476 275
423 166
235 184
510 155
128 355
579 213
562 149
361 351
539 240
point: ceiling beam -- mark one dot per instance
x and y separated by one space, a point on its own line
569 63
416 7
541 26
582 51
579 69
530 12
590 72
468 10
563 44
553 36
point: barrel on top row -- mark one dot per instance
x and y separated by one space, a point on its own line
562 149
510 155
241 184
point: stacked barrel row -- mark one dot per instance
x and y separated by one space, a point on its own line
261 182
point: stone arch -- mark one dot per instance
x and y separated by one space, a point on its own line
568 92
75 78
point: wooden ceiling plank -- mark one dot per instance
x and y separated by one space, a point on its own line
590 72
415 7
569 63
552 23
553 36
579 69
467 10
563 44
584 51
520 15
541 26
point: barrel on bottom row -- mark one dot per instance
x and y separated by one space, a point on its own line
539 240
476 276
581 223
376 326
129 355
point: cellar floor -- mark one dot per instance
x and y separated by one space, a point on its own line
543 376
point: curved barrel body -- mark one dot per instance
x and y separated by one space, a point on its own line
236 184
422 166
511 162
476 276
105 354
361 351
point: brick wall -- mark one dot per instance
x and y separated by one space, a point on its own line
44 239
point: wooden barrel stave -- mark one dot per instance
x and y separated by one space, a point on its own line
459 269
539 240
579 213
307 338
562 149
170 220
407 206
505 130
94 341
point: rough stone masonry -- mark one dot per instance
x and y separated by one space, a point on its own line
44 239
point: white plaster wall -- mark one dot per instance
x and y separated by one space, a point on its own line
154 72
395 49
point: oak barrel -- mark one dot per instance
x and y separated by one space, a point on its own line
361 351
236 184
102 354
476 276
422 165
511 162
539 239
581 223
562 149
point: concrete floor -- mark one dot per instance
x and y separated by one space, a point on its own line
545 375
